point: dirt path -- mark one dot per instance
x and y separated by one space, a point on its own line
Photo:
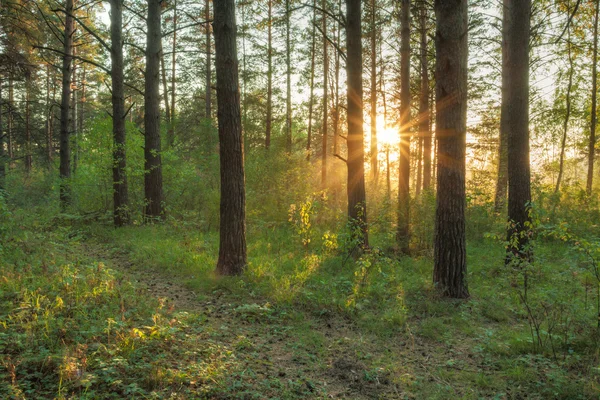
317 354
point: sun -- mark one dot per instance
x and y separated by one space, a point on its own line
387 134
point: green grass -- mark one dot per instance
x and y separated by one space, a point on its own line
304 321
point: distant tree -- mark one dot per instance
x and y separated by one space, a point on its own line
65 134
232 243
592 139
357 202
403 233
373 94
518 13
153 182
269 122
450 256
502 178
325 97
424 116
288 74
120 193
2 160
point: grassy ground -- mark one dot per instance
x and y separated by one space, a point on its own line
87 311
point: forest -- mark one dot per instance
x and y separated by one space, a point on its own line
299 199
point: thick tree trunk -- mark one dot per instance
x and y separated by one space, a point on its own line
312 81
232 244
325 100
373 97
153 187
403 233
74 131
28 158
424 126
65 146
336 114
120 192
171 127
563 143
450 256
9 126
419 162
269 76
357 202
163 72
208 66
2 157
288 64
502 178
592 141
517 125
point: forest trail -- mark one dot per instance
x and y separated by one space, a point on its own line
316 354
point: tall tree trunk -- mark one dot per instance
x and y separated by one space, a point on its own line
49 120
424 126
243 6
74 131
502 179
419 162
28 159
120 192
592 142
357 201
269 77
312 80
450 255
325 99
288 64
9 125
517 125
82 99
563 143
232 243
2 159
171 127
336 114
153 187
403 233
65 146
163 72
373 97
208 98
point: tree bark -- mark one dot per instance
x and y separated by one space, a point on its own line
325 99
403 232
74 131
288 64
171 127
153 187
357 202
373 97
517 125
269 76
2 159
450 256
336 114
9 121
424 126
208 98
312 81
120 191
163 72
592 142
28 159
502 179
563 143
232 244
65 146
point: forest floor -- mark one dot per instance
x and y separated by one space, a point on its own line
87 311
